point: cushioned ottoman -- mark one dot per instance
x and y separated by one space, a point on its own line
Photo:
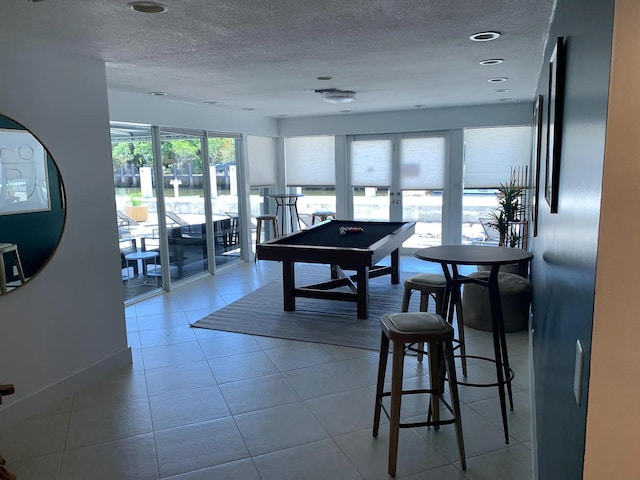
515 293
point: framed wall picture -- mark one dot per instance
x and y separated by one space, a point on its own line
536 156
24 182
557 65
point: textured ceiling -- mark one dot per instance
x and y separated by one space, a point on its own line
267 54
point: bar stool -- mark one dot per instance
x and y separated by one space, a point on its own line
265 218
4 249
433 285
405 330
322 215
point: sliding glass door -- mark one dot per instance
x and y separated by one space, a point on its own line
176 193
185 224
136 208
223 174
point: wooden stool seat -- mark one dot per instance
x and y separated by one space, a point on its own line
322 215
6 248
405 330
265 218
429 285
433 285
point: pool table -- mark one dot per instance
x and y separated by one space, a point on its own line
359 251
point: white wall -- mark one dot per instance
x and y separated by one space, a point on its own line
409 121
65 328
162 111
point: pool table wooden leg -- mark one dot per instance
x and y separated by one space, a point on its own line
395 266
362 280
288 285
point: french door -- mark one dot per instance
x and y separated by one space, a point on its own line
400 178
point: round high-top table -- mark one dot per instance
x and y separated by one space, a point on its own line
450 257
286 201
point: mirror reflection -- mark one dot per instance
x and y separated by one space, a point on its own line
32 209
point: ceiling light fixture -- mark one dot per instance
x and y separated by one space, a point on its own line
502 90
323 78
492 61
211 103
497 80
484 36
147 7
158 94
333 95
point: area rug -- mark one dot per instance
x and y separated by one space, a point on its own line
314 320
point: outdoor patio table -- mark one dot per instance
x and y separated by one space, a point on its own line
144 257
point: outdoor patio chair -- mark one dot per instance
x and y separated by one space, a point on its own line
491 233
175 218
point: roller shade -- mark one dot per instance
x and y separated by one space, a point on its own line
310 161
262 161
422 163
489 154
370 163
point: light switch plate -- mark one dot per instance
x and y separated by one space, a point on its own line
577 375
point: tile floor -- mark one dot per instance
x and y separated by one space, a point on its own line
201 404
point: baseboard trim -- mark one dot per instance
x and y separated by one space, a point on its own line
532 390
37 402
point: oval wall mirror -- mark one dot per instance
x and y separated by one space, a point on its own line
32 205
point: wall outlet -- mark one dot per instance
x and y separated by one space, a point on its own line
577 375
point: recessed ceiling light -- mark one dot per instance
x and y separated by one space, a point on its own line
211 103
492 61
497 80
158 94
484 36
323 78
248 109
147 7
502 90
419 106
345 111
506 99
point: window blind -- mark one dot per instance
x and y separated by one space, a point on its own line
422 163
262 161
489 154
371 163
310 161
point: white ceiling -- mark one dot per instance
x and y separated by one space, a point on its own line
267 54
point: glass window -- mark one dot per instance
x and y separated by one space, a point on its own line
262 161
310 167
492 156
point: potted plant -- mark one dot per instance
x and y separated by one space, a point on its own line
137 210
510 209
